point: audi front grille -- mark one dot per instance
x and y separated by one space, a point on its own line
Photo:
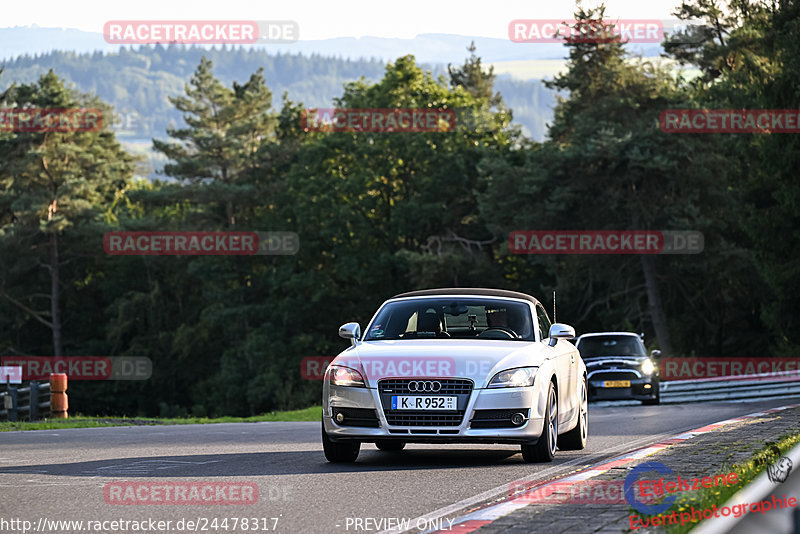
449 386
459 387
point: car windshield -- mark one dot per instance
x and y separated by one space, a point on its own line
593 346
461 318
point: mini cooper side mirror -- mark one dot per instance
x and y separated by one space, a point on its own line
655 353
351 331
560 331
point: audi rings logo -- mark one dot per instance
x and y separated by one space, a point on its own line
424 385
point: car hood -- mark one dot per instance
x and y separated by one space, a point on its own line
476 359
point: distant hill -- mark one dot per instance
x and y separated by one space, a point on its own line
427 48
138 82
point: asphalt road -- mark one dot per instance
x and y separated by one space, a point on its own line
60 475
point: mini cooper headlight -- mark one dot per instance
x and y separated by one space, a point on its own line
514 378
344 376
648 367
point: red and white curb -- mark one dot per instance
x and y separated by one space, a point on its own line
489 513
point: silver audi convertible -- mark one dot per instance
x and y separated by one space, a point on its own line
456 366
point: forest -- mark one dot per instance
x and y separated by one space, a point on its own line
138 82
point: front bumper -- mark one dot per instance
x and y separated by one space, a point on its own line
443 427
640 389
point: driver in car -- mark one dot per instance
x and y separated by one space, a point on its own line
497 318
513 324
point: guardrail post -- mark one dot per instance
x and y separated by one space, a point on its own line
33 413
45 404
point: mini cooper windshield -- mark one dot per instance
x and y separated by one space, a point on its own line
611 345
459 318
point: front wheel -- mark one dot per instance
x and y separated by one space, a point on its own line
390 445
575 439
341 451
545 449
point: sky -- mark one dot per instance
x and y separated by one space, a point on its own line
324 19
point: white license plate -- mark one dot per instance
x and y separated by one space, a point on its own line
427 402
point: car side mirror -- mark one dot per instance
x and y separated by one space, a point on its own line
560 331
351 331
655 353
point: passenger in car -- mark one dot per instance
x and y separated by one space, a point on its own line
429 323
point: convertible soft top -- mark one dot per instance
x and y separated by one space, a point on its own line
483 292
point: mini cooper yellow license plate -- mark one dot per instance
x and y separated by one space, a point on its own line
617 384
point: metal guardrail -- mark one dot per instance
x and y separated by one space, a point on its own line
731 388
33 400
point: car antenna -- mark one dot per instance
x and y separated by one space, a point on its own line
554 306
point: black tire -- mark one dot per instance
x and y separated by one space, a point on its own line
545 449
390 445
575 439
339 451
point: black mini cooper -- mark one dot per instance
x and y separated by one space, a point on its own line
619 368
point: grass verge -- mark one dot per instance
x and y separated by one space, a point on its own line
313 413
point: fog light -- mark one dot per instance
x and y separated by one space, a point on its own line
517 419
339 417
647 386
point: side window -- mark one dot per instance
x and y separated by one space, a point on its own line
544 321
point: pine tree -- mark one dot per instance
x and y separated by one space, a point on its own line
225 128
478 82
55 188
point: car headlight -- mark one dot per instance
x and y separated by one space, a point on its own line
514 378
344 376
648 367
